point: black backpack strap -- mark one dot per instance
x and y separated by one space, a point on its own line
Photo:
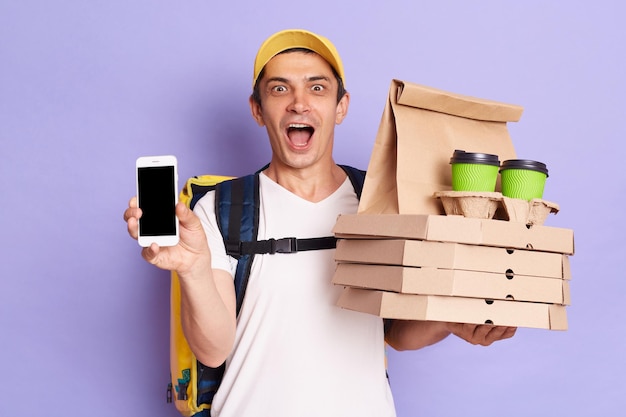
285 245
357 178
237 211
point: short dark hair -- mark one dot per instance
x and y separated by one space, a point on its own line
256 94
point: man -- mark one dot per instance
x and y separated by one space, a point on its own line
291 351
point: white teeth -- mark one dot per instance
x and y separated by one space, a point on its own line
298 126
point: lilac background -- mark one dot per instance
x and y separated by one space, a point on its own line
86 87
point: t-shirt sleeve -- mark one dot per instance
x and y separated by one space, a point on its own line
205 210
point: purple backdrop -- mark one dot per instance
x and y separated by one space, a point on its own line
86 87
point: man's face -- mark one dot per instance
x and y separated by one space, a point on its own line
299 108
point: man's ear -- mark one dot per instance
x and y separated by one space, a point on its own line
255 109
342 108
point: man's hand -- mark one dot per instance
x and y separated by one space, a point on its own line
192 252
481 334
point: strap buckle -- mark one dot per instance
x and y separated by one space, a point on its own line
284 245
233 249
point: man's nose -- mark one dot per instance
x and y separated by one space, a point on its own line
299 102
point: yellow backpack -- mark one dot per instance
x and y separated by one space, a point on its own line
183 363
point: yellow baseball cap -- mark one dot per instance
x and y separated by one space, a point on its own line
297 38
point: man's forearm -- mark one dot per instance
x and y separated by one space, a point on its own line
208 316
415 334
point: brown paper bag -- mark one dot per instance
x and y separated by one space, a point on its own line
419 131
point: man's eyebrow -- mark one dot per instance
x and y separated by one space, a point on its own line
312 78
278 80
319 78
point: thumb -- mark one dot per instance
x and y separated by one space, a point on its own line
192 237
187 218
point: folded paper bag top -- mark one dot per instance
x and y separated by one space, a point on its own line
420 128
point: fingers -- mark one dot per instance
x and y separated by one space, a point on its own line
132 225
481 334
508 333
484 333
489 333
133 210
150 253
131 217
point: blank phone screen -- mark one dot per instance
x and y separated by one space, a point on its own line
157 201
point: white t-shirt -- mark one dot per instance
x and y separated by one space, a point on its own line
296 353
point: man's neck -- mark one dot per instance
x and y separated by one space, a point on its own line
313 183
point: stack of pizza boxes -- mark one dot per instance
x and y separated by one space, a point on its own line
416 250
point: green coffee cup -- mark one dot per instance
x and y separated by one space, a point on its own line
474 171
523 178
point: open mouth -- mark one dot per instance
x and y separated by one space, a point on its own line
299 134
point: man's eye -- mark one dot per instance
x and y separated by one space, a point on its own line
318 87
279 89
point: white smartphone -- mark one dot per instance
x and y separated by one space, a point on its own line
157 195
